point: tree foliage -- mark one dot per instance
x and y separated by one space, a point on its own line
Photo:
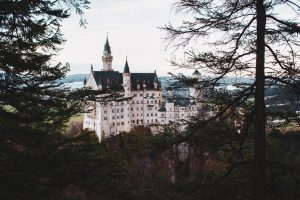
241 38
36 160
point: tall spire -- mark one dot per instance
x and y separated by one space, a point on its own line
107 57
106 46
126 68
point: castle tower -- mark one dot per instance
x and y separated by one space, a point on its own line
194 91
127 90
126 80
155 81
107 57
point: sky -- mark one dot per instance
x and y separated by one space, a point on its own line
132 28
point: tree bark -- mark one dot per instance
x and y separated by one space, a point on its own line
260 113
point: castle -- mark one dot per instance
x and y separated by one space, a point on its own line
141 104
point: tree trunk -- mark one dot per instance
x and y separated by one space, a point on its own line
260 114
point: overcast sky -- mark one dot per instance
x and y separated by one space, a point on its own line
132 27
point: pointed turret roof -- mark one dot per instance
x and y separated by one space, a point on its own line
126 68
155 78
196 73
92 69
106 46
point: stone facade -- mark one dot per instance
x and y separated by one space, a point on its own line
142 103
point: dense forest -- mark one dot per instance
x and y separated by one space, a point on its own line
237 153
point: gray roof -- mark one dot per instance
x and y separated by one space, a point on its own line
144 78
196 72
115 78
184 102
108 78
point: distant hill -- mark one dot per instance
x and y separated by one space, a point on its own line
76 81
74 78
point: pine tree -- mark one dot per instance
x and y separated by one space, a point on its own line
246 38
34 108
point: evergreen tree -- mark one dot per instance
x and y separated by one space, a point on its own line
246 38
36 160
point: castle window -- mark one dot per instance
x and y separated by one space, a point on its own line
132 115
162 115
147 114
155 114
137 101
121 116
134 95
111 103
147 101
141 108
137 108
131 109
137 121
113 110
149 108
152 120
117 110
105 118
105 111
113 117
147 95
153 94
122 103
118 117
122 123
151 114
155 101
155 120
141 101
133 121
122 110
141 95
113 124
118 124
141 121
